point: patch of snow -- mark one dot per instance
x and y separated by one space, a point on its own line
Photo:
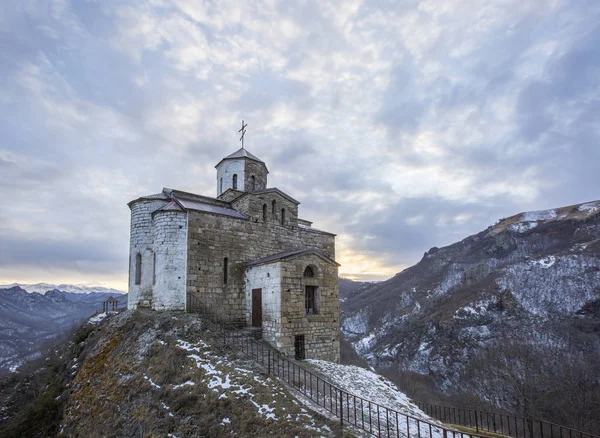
580 246
98 318
151 382
190 347
542 215
225 421
355 324
476 309
589 206
364 344
521 227
546 262
188 383
265 410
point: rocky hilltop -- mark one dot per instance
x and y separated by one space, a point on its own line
510 315
145 373
150 374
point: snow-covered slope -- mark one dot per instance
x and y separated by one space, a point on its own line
369 386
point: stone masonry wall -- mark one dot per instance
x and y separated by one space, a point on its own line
322 330
170 246
252 206
141 241
213 237
259 171
266 277
226 170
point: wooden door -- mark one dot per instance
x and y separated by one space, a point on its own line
256 307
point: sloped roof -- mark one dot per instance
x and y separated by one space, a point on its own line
189 204
290 255
183 201
242 153
158 196
171 206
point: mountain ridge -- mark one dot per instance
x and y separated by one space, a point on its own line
529 283
28 320
71 288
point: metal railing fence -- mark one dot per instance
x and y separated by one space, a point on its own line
505 424
350 409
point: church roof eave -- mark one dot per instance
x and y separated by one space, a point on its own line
155 197
291 255
269 190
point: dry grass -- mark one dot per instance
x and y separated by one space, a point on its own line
127 386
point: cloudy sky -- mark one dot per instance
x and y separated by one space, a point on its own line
399 125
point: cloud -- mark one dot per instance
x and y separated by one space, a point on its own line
398 126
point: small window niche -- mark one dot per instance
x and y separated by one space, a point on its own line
310 300
299 347
234 181
309 272
138 268
225 269
253 182
264 212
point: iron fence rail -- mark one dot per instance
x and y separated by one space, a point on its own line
509 425
364 414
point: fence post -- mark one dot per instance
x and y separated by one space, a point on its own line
530 425
476 422
341 410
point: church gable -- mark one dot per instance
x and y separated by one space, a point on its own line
293 296
271 206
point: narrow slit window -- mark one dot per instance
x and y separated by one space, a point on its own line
225 269
253 182
221 186
264 212
153 268
273 207
138 268
283 216
235 182
299 347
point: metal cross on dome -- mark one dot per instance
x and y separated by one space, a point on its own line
243 131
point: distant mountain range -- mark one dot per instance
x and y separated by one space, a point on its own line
511 315
29 319
42 288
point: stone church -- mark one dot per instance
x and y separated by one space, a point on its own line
246 254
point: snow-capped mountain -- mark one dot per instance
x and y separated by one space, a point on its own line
524 292
71 288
